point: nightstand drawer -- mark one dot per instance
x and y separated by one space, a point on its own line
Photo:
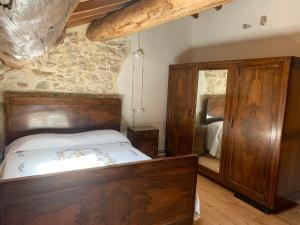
146 134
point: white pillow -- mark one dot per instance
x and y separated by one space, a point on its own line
50 141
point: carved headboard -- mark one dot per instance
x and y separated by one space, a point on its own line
214 108
33 113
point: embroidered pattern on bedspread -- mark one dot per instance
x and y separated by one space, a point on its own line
21 167
20 154
74 153
39 162
80 152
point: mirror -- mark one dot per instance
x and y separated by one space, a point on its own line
209 117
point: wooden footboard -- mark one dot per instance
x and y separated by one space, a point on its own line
160 191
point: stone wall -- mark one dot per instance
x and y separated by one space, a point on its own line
216 82
76 66
210 82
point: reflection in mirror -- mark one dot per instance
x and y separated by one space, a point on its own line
209 117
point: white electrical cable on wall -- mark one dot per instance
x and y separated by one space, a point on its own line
138 53
132 92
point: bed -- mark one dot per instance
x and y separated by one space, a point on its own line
215 106
127 187
211 126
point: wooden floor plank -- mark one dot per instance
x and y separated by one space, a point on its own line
220 207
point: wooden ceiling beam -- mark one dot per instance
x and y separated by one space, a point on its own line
77 21
28 29
90 10
94 4
146 14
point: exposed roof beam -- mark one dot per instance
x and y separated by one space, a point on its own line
146 14
29 28
90 10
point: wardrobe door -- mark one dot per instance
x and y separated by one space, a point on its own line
181 111
258 92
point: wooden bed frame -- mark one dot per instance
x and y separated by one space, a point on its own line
214 106
160 191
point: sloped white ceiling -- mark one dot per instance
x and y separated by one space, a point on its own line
216 27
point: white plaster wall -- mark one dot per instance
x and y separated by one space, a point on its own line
162 46
218 35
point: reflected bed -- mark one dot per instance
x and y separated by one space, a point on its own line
211 127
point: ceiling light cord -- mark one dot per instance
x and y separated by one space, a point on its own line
142 109
139 53
139 41
142 88
132 91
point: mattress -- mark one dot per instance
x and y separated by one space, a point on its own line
52 153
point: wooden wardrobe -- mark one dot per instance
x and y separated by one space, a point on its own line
260 157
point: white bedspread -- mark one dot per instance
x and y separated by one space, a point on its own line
52 153
30 163
214 138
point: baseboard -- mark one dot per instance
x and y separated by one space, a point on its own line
253 203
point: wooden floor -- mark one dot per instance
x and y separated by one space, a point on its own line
220 207
210 163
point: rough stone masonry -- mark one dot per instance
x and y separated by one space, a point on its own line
76 66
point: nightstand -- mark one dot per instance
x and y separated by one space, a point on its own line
144 139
